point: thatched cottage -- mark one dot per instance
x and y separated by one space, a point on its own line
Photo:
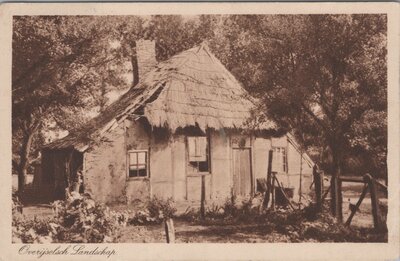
184 119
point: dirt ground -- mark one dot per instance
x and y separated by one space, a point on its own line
265 232
186 232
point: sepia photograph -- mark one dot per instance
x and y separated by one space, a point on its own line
198 128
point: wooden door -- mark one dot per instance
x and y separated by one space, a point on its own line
242 172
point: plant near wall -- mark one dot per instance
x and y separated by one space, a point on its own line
156 211
161 209
82 220
79 219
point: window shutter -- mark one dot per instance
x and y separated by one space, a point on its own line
197 149
201 148
192 148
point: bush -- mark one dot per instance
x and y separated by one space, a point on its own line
142 217
32 231
230 206
77 220
16 205
82 220
161 209
157 210
245 210
122 218
191 214
215 211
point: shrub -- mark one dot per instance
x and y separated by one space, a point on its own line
77 220
122 218
246 211
142 217
215 211
161 209
191 214
82 220
16 205
230 207
32 231
157 210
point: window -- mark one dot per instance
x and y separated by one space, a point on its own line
138 163
279 160
199 154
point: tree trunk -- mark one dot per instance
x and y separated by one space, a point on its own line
318 184
336 188
21 181
135 66
24 162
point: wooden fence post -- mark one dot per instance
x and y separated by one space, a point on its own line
266 197
374 202
353 211
340 201
273 191
203 197
169 230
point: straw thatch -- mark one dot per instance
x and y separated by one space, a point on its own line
192 88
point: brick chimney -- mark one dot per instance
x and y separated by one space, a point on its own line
144 59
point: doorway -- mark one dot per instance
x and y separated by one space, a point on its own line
242 178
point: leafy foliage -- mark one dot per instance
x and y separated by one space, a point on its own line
322 77
161 209
157 210
77 220
60 69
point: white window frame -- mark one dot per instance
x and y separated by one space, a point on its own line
129 164
283 164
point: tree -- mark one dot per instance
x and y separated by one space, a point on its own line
321 76
57 68
64 66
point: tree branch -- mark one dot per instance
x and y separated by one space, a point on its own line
35 159
314 117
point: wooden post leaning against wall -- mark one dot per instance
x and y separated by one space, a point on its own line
203 197
269 172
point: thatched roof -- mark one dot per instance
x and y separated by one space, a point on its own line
192 88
